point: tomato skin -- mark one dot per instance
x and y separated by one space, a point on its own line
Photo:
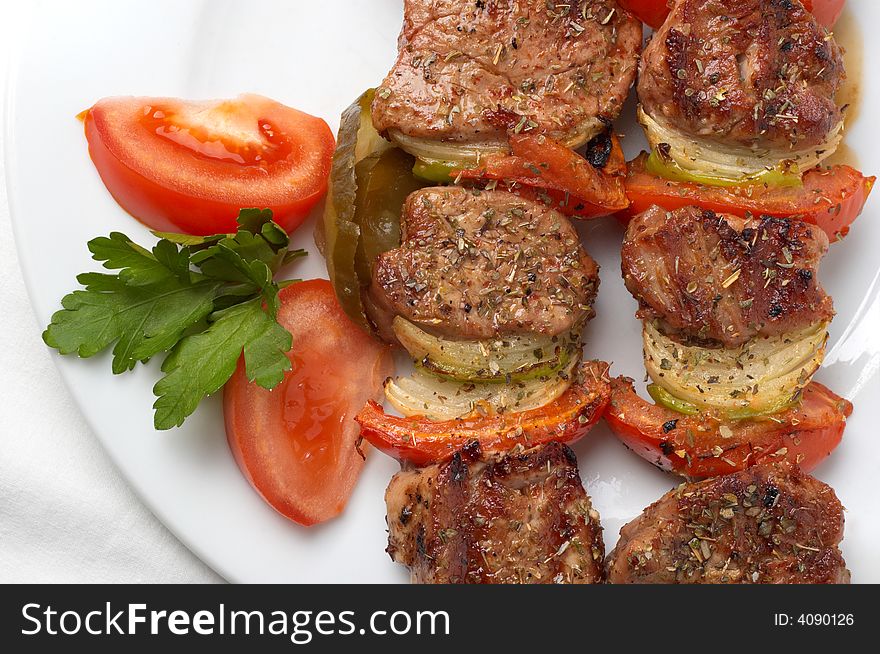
830 198
650 12
827 12
422 441
297 444
654 12
538 168
170 186
686 445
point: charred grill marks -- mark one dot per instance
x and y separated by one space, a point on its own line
720 280
517 518
746 72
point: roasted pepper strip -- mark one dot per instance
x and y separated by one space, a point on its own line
543 169
383 183
421 441
666 399
707 445
369 183
340 231
440 172
830 198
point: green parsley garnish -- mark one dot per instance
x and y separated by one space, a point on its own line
203 300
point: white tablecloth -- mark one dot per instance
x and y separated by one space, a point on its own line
66 514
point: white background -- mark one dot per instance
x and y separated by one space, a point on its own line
66 514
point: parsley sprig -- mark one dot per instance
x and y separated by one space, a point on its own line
202 300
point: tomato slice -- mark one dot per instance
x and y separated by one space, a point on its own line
542 169
189 167
831 198
422 441
297 444
705 446
654 12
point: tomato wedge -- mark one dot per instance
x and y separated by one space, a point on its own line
181 166
831 198
705 446
542 169
422 441
297 444
654 12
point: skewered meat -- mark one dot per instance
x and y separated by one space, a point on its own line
767 524
720 279
480 265
469 70
517 518
760 75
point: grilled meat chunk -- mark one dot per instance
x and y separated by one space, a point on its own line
717 279
467 70
481 265
761 74
502 519
768 524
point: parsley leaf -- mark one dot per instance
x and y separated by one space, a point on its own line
139 266
202 363
203 300
143 320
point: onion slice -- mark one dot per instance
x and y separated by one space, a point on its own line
424 394
715 159
466 154
764 376
517 358
469 154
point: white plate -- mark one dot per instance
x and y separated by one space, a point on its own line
318 56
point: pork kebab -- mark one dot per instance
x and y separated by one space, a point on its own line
738 100
740 88
488 292
734 328
491 94
771 524
498 93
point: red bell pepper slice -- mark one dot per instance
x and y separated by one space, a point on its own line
422 441
542 169
831 198
705 445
